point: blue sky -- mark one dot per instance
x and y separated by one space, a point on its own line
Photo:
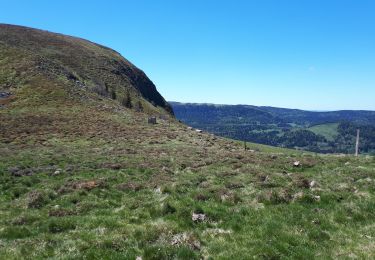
308 54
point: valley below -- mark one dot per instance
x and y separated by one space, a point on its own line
322 132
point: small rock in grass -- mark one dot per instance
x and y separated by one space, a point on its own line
139 258
69 168
297 164
313 184
317 198
316 221
197 217
20 171
264 178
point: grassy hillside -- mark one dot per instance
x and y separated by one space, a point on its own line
94 180
83 177
34 57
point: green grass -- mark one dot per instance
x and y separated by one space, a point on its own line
133 192
329 131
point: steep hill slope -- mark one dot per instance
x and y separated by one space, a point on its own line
83 177
29 57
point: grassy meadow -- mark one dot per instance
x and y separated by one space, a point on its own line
95 181
329 131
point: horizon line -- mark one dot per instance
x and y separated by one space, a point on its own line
308 110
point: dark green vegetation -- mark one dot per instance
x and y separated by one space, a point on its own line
84 177
324 132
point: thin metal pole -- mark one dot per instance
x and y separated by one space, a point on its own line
357 144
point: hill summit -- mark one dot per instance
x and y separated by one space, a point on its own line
34 57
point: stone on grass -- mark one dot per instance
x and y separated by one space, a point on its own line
313 184
297 164
57 172
20 171
197 217
152 120
317 198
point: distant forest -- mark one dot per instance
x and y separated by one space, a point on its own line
324 132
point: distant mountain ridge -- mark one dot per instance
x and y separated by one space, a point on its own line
287 114
319 117
332 131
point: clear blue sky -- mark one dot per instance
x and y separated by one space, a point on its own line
309 54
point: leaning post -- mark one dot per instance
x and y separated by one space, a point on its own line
357 144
